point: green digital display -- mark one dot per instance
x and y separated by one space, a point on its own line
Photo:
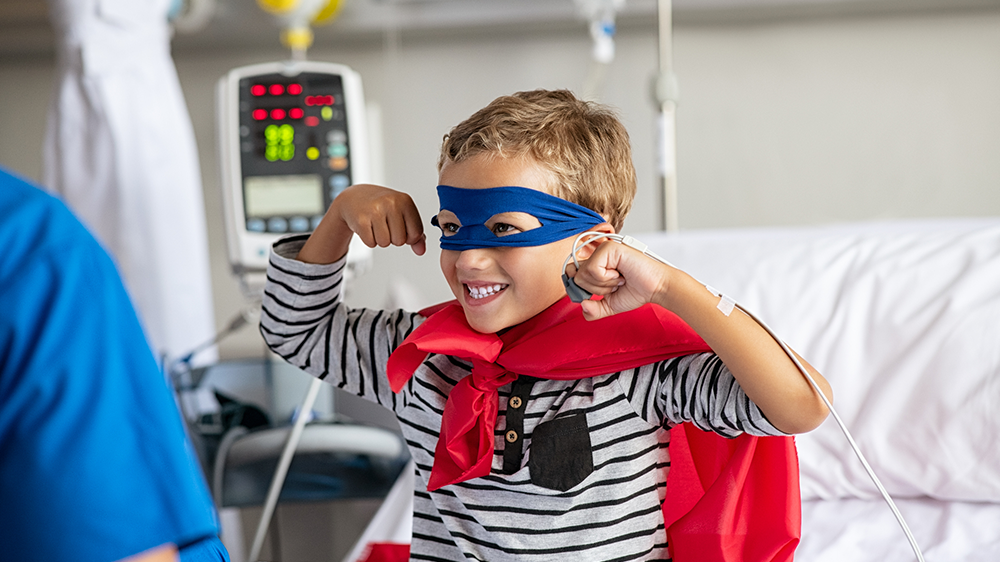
279 142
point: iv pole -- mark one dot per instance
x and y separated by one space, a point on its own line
665 94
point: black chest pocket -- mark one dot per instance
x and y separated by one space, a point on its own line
561 456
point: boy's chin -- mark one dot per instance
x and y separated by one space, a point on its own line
494 323
484 326
485 323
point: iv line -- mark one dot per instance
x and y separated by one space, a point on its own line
641 247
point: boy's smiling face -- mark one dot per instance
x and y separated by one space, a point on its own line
502 287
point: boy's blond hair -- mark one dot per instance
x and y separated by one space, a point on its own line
583 144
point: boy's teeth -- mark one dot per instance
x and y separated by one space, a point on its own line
485 291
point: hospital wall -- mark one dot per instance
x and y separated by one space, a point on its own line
781 122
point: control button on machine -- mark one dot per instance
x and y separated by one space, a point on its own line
256 225
339 181
277 224
298 224
338 164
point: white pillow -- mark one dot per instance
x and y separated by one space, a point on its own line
903 319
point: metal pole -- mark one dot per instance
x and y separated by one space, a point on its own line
665 92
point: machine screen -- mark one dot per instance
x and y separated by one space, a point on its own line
270 196
294 149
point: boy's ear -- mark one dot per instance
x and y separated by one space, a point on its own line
586 251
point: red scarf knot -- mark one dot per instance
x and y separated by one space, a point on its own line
558 343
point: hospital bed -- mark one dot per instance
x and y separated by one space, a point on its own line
903 319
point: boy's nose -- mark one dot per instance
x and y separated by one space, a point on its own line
473 259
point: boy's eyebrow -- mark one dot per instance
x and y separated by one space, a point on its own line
517 214
451 214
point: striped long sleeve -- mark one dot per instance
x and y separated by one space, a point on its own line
579 467
304 320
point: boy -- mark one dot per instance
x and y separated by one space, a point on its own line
537 434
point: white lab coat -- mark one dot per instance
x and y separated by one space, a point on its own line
120 150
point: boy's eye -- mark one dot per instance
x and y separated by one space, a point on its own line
447 222
511 222
504 229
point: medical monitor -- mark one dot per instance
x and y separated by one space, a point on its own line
292 136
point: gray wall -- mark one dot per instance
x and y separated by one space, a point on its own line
787 122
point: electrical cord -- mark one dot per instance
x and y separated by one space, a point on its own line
578 294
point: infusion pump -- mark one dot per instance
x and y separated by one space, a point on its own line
292 136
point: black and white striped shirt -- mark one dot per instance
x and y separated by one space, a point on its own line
579 467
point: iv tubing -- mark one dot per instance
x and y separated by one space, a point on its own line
637 245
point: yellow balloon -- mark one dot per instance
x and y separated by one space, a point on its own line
277 7
330 11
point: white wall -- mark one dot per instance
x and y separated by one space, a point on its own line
846 120
795 122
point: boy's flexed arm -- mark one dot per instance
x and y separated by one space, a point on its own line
628 279
303 318
378 215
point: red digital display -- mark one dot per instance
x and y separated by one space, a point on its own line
279 114
319 100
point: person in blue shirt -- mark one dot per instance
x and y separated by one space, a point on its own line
95 464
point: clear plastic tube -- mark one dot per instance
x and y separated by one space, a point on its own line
639 246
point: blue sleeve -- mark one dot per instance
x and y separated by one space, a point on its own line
95 462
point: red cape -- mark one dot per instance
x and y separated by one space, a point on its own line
727 500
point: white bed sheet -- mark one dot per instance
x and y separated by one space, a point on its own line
903 319
855 530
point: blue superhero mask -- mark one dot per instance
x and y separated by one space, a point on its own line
474 207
